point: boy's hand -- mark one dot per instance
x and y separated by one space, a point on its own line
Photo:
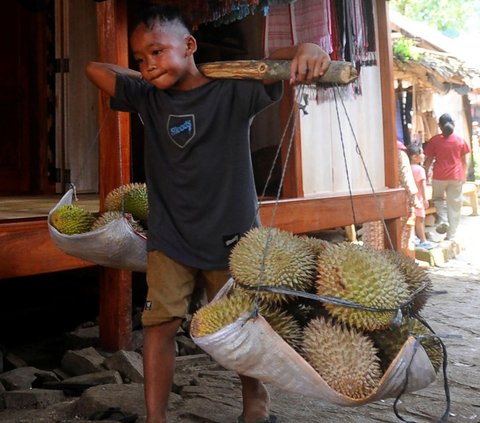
309 63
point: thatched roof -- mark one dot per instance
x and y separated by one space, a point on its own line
438 71
435 63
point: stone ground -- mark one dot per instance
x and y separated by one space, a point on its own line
207 393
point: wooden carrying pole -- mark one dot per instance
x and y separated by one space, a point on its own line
337 73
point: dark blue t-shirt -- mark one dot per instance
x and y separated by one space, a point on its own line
198 168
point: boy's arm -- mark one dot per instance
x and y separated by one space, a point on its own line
309 61
104 75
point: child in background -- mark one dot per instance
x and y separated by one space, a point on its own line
416 156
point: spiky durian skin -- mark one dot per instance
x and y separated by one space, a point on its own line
318 245
270 256
130 198
415 277
363 276
216 315
390 341
109 216
70 219
284 324
345 358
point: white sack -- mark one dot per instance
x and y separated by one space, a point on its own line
250 347
114 245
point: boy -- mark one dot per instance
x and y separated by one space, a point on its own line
199 177
415 154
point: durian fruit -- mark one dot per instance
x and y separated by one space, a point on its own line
346 359
415 277
284 324
216 315
70 219
318 245
109 216
130 198
270 256
390 341
363 276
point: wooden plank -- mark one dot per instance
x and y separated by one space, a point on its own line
26 248
391 167
304 215
114 158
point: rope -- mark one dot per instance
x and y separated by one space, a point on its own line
93 143
398 316
279 190
359 152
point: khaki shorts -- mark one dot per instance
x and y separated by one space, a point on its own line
171 285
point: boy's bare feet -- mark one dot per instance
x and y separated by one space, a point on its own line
256 400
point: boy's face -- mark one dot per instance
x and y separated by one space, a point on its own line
164 54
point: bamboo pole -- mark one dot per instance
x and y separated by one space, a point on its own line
337 73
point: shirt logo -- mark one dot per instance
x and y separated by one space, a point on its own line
181 129
230 240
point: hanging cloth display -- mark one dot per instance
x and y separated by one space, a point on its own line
114 245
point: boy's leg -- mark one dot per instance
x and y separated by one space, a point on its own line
256 400
158 368
170 287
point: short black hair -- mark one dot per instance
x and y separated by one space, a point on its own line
414 149
150 14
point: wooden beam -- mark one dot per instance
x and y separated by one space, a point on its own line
115 320
26 249
304 215
385 59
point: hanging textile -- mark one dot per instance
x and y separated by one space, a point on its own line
299 22
344 29
114 245
220 11
249 346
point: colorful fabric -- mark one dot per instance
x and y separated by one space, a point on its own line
300 22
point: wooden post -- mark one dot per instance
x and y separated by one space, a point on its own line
115 318
385 58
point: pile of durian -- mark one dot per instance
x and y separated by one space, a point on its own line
349 347
130 201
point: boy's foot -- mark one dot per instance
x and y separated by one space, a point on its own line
442 228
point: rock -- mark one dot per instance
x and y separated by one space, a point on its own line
24 377
13 361
128 363
32 398
83 337
84 361
127 397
